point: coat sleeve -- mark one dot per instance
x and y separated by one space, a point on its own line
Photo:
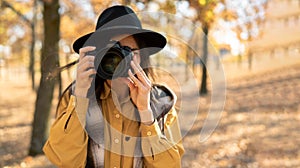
162 150
67 142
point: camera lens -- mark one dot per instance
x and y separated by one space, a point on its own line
110 62
113 61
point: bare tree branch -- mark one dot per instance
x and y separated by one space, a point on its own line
23 17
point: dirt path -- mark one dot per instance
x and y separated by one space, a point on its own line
259 125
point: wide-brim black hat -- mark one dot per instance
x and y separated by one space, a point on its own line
119 20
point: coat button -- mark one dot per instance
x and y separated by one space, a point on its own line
117 115
116 140
149 133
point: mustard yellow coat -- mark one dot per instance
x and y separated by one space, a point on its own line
67 145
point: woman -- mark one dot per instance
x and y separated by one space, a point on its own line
116 120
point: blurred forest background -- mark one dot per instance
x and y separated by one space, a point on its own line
256 43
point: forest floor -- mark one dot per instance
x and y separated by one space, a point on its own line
259 126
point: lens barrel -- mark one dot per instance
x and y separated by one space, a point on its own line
112 61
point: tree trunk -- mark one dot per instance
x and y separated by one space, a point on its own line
49 61
32 47
203 88
250 55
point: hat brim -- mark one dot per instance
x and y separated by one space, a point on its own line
152 41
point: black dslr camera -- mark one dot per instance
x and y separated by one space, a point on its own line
112 61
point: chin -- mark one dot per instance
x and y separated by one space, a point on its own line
123 80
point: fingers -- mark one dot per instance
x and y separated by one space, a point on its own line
135 80
85 68
141 75
131 86
86 76
86 63
84 50
84 73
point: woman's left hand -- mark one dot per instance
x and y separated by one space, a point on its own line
140 87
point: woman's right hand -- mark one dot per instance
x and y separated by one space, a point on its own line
85 70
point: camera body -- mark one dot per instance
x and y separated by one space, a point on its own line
112 61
